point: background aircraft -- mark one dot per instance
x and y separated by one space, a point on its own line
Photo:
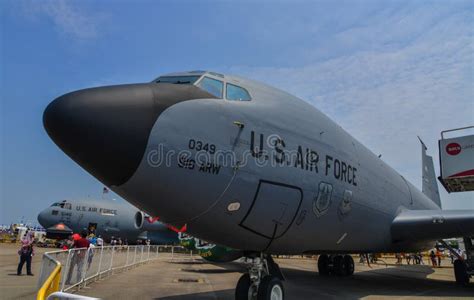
250 167
107 218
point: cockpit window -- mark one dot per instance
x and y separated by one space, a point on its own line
178 79
234 92
64 205
212 86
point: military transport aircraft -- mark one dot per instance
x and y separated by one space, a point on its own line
107 218
250 167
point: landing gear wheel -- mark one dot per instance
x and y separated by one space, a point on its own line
460 272
323 265
340 268
349 262
270 288
245 290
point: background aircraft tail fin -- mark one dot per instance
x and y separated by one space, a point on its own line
430 184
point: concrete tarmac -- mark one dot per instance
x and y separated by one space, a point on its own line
11 285
185 280
197 279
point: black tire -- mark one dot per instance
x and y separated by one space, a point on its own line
268 285
349 264
242 289
323 265
340 268
460 272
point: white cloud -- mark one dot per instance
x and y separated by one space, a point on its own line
418 80
69 19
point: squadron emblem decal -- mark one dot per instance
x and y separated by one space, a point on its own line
346 206
322 201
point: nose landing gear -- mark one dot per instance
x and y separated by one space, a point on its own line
340 265
262 282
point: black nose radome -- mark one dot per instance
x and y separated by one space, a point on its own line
106 129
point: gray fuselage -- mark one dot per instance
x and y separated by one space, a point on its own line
271 174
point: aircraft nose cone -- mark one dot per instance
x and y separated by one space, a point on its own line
105 130
42 219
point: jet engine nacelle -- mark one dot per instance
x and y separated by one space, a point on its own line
146 223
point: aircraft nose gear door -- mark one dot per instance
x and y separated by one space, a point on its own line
273 209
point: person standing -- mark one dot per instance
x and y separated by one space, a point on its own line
398 256
439 255
67 244
420 258
26 253
433 258
92 239
81 247
416 258
90 255
100 241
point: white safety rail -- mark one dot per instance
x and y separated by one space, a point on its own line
81 266
49 262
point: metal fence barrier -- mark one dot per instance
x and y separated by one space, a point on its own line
50 276
73 269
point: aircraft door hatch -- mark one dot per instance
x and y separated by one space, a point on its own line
272 221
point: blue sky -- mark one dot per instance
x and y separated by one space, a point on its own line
385 71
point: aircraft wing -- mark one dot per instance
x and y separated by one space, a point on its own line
421 225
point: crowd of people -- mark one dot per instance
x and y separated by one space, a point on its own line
410 258
84 242
70 243
435 257
98 241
